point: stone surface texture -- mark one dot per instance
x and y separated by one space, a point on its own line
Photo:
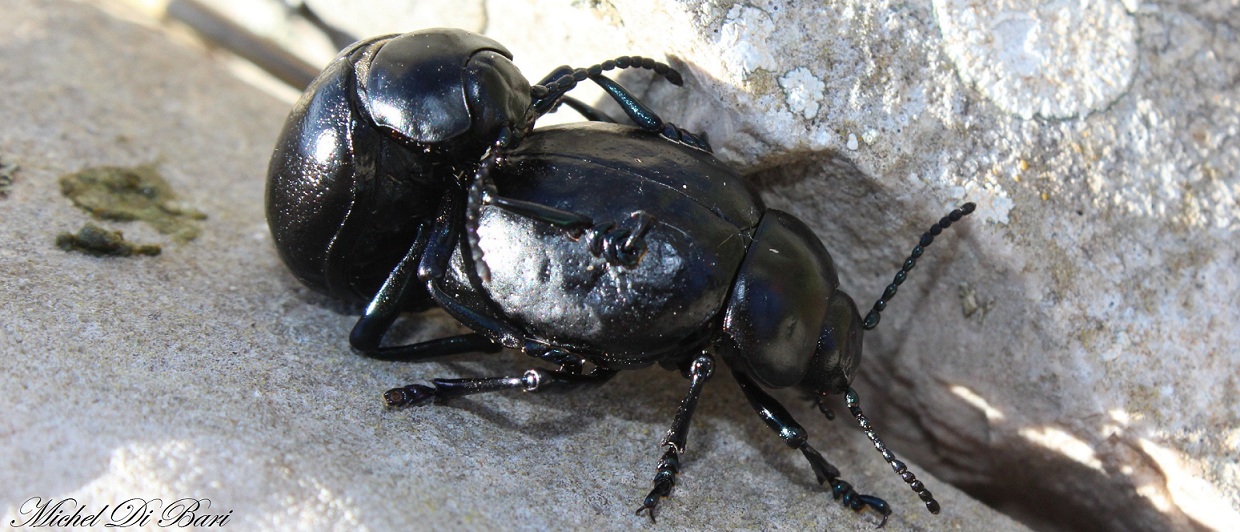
1069 356
209 372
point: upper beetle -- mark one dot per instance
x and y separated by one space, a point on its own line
392 123
595 247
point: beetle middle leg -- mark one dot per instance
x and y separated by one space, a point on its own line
390 300
779 420
700 370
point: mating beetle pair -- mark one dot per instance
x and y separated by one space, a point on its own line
409 175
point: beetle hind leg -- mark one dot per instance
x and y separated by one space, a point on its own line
533 380
778 418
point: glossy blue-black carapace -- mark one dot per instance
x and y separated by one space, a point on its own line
360 165
386 129
702 280
596 247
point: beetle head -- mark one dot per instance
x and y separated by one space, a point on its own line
838 353
445 89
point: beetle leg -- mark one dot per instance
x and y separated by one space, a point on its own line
699 372
534 380
778 418
586 110
444 236
390 299
548 91
439 347
572 223
647 119
621 246
568 362
388 303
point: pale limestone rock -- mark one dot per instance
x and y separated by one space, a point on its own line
1068 356
209 372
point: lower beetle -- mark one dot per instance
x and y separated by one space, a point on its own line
609 247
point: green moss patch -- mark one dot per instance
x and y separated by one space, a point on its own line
94 240
123 194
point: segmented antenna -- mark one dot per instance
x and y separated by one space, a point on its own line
871 319
853 407
479 189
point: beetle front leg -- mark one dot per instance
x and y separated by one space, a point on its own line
699 372
778 418
550 92
647 119
589 112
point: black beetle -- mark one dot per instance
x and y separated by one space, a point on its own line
596 247
378 136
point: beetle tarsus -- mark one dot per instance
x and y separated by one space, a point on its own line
676 133
616 245
823 470
533 380
858 502
620 246
664 481
411 395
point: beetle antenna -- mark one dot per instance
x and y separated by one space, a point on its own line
896 465
479 189
871 319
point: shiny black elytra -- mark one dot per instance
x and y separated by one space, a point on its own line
409 175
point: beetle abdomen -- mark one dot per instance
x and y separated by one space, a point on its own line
311 176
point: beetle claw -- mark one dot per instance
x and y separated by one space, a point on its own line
649 505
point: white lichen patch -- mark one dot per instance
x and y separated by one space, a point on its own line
803 91
743 40
1056 59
